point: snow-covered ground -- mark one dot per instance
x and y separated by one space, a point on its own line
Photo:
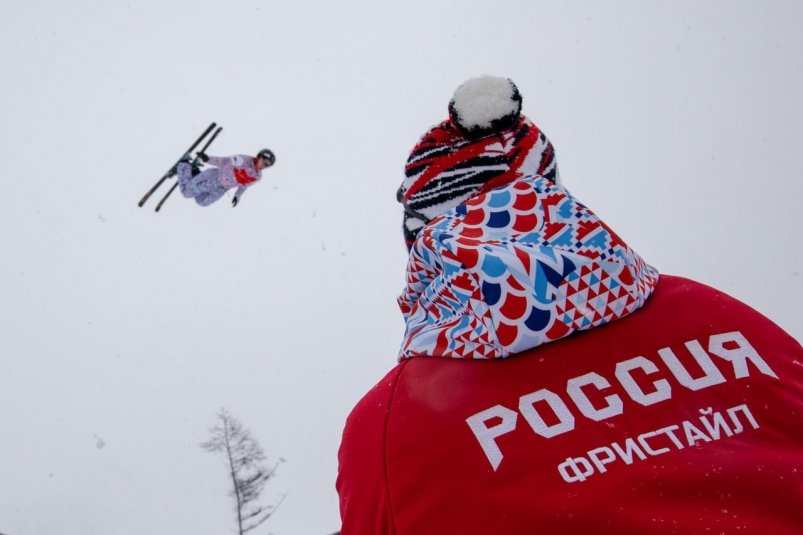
123 332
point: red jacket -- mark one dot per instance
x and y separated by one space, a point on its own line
684 417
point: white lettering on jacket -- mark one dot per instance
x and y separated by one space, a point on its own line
731 348
595 461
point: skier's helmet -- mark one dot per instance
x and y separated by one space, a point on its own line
267 154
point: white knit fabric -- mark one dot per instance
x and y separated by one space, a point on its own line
479 101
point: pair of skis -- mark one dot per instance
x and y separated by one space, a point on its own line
187 156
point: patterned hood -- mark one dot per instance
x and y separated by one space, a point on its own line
514 268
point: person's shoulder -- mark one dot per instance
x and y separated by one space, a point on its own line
680 294
375 404
676 285
239 160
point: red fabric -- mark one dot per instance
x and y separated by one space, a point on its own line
462 150
242 176
411 465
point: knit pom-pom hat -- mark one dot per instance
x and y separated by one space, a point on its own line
482 106
485 143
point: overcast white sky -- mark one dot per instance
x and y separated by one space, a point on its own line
122 332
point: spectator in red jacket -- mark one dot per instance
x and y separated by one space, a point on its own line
582 392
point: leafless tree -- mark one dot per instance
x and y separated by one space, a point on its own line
245 461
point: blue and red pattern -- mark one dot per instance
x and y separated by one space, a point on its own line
514 268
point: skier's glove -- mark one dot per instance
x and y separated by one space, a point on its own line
234 201
204 158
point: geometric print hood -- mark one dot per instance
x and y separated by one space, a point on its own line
514 268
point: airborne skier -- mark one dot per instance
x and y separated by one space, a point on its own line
207 186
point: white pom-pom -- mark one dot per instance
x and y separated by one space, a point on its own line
485 103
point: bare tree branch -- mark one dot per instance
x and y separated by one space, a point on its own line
245 461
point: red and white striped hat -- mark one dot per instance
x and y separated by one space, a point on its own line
485 143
